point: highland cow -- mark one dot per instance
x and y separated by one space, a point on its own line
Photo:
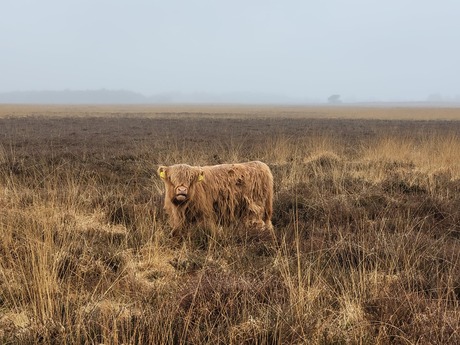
226 194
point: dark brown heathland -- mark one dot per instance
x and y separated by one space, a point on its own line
365 245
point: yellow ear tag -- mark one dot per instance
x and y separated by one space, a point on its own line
200 177
163 175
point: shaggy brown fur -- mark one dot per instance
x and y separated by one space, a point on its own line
219 195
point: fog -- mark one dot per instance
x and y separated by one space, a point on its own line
289 51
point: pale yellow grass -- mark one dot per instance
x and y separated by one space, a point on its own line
365 246
383 112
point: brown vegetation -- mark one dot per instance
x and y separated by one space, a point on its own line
365 246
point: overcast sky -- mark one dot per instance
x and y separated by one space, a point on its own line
360 49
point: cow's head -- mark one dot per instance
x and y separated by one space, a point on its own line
180 180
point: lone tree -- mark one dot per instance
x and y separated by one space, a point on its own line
334 99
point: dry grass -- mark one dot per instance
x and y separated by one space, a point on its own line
369 112
366 246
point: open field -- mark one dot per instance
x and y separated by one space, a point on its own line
365 250
385 112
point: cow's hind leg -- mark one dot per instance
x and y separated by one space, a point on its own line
255 219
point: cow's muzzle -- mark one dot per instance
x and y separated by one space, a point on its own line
181 197
181 194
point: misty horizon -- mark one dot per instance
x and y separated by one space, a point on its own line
122 96
262 50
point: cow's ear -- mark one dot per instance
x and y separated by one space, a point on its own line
201 176
162 172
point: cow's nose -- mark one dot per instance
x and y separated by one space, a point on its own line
182 190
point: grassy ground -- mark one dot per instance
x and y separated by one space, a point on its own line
365 250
